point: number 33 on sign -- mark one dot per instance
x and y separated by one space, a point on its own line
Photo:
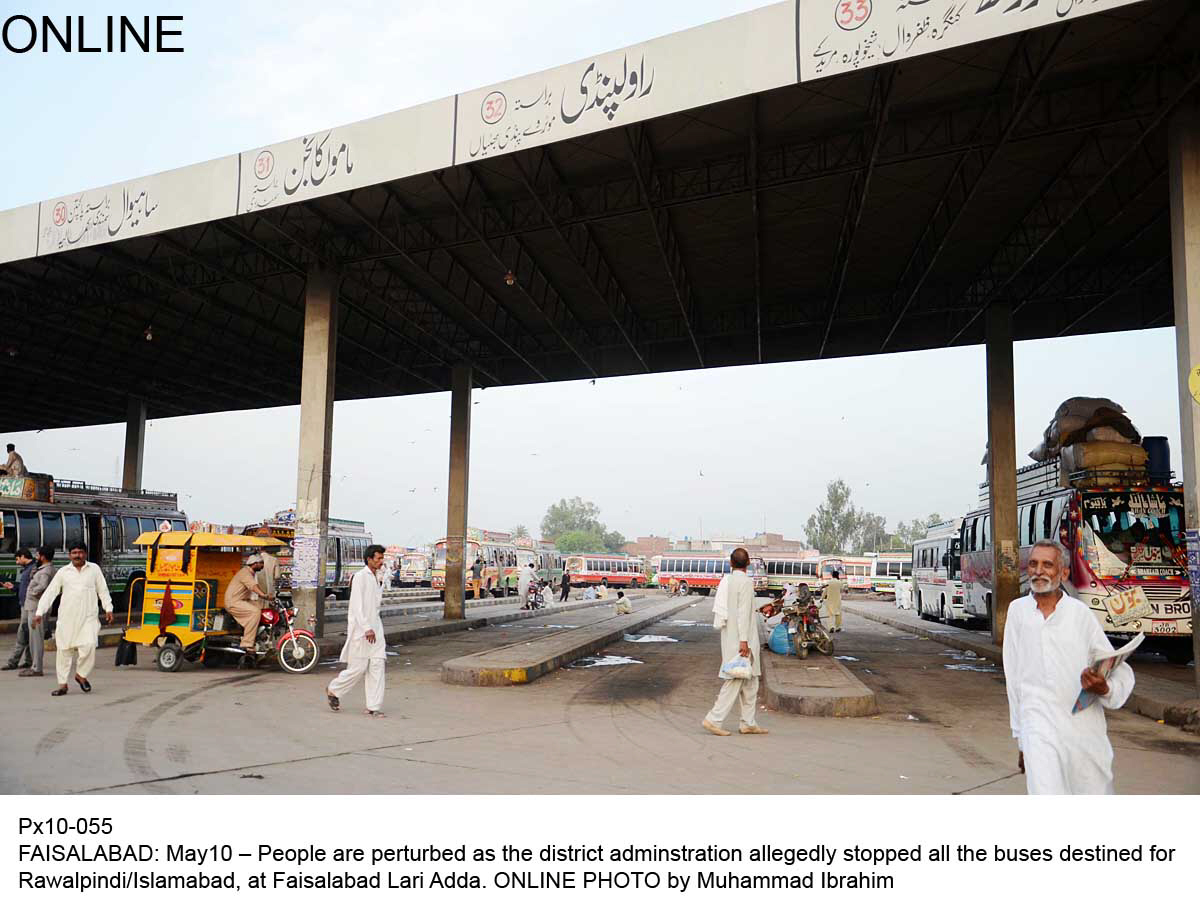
851 14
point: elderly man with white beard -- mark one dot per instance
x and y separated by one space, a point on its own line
1050 642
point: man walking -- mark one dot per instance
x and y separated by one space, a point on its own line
16 660
1051 641
524 579
364 652
833 601
82 588
241 602
734 613
565 584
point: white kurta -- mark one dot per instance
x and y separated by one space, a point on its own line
1065 752
78 617
741 623
366 596
524 578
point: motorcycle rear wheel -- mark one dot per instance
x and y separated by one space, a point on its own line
299 654
801 646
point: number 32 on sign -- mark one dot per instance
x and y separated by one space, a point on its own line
851 14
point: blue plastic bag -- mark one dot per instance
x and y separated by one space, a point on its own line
780 641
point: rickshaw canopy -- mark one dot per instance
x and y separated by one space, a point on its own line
206 539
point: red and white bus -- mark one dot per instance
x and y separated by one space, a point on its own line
614 569
1126 546
703 571
855 571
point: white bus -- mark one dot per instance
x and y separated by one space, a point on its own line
887 569
937 584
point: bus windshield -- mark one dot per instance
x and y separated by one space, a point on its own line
1123 530
439 555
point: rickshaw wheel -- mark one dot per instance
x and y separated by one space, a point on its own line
169 657
824 642
310 655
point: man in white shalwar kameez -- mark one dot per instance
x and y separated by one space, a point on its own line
739 636
1050 641
81 586
365 651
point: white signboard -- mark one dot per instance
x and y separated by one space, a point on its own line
339 159
730 58
198 193
306 561
843 35
18 233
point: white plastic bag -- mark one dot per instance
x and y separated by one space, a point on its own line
738 667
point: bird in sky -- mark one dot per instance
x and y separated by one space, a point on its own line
701 473
412 490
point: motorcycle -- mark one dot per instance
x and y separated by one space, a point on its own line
277 640
533 597
803 620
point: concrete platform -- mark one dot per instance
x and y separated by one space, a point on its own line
816 686
1154 697
527 661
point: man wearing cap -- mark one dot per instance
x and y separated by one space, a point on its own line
241 601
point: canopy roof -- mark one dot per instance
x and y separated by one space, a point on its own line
204 539
732 194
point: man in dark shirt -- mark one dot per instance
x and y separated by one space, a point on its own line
566 587
23 650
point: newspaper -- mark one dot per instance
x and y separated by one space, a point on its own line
1104 664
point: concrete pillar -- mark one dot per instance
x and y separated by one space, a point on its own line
1184 161
456 495
316 444
1002 465
135 444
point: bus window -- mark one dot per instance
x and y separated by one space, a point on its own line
725 567
178 525
8 544
29 529
906 570
74 528
974 535
1046 520
112 535
52 530
132 530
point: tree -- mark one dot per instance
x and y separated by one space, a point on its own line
565 516
580 541
831 528
520 531
613 541
916 529
871 534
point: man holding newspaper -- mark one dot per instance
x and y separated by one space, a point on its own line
1057 662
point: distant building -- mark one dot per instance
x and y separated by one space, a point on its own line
648 546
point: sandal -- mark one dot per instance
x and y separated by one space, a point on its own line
374 714
58 692
334 703
84 684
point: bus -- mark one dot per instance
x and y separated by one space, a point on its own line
413 570
937 582
1126 548
855 571
549 563
783 571
38 511
616 569
499 555
887 569
345 543
703 571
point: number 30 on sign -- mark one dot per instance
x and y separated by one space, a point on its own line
851 14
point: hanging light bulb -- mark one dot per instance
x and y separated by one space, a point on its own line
509 278
148 334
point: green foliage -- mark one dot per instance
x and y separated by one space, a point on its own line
575 514
590 541
832 527
520 531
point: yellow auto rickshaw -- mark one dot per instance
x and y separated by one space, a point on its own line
183 608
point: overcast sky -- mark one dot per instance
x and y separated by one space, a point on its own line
906 431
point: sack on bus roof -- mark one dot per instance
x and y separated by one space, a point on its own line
1102 454
1039 453
1085 407
1107 433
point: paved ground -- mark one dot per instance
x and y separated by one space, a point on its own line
600 729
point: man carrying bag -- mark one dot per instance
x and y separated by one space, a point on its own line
734 614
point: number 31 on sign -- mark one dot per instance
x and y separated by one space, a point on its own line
851 14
